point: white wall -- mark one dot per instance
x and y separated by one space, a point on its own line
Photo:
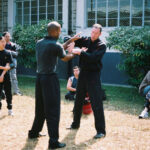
11 15
81 16
65 17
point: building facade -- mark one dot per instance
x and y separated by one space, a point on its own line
75 15
3 15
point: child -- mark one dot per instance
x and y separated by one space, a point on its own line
5 64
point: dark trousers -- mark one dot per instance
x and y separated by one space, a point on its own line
47 106
6 85
90 82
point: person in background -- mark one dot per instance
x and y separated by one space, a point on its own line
10 46
144 90
6 63
72 84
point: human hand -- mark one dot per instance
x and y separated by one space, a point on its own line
7 67
76 51
70 47
76 37
84 49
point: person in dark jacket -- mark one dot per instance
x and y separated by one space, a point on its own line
47 106
12 47
144 90
6 63
91 52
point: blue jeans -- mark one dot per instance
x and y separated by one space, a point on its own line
146 89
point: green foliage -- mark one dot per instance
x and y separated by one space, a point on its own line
26 37
134 43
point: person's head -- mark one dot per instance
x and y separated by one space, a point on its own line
54 29
7 36
76 71
96 32
2 43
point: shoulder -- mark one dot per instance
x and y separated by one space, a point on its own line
59 45
39 41
71 78
101 44
148 74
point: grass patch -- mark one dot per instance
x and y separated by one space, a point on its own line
124 99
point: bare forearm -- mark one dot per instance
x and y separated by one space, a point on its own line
2 68
3 73
71 89
67 43
68 57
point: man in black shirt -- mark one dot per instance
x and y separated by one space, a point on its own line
5 64
47 85
89 79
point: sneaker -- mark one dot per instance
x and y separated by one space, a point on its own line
99 135
10 112
144 114
18 94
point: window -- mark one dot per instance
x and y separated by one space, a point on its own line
112 13
34 12
147 13
26 12
124 12
31 11
50 9
19 13
101 12
137 7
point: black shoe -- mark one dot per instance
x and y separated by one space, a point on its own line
73 127
99 135
33 136
56 145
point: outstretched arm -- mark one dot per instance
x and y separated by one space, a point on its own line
73 39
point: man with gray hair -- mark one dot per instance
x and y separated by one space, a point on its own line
47 104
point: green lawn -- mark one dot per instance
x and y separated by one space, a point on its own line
124 99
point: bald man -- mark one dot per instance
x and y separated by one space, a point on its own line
47 104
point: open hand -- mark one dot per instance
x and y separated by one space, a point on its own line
7 67
76 37
84 49
70 47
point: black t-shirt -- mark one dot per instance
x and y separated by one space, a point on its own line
5 57
91 59
47 52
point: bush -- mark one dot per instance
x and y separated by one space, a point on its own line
134 43
26 37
